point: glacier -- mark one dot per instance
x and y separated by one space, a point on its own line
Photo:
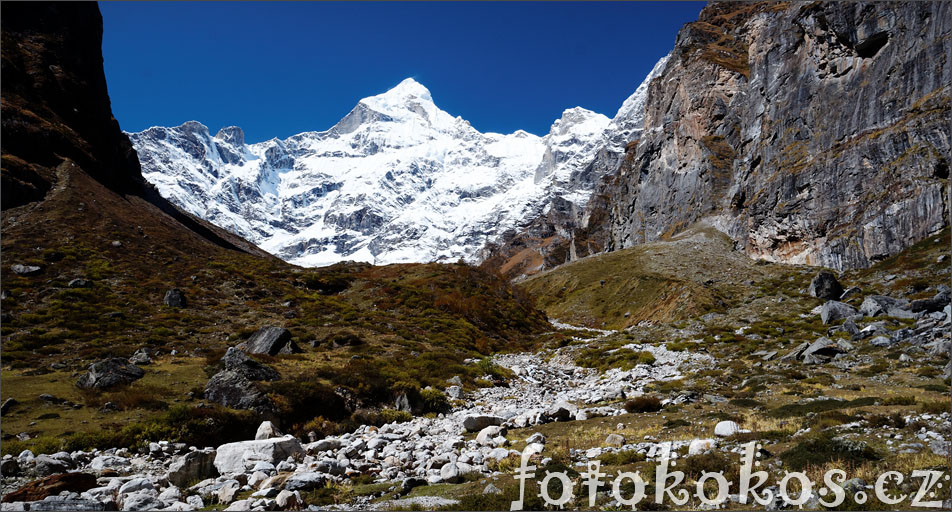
397 180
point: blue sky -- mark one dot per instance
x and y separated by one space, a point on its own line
277 69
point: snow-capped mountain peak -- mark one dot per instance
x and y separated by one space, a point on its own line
396 180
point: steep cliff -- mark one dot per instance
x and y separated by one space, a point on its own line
809 133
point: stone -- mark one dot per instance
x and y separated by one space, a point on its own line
825 348
699 446
491 489
937 303
171 494
475 423
288 500
882 341
454 392
192 466
726 428
536 438
9 467
234 457
195 501
8 406
141 357
450 473
175 298
232 389
875 305
270 340
227 492
825 286
242 505
135 485
615 440
794 354
850 292
305 481
237 361
25 270
52 486
267 430
70 505
486 435
79 283
835 310
141 501
561 411
44 465
108 373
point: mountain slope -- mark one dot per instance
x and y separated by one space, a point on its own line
810 133
396 180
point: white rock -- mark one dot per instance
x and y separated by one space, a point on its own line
234 457
726 428
699 446
267 430
136 484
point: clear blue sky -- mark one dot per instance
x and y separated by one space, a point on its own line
277 69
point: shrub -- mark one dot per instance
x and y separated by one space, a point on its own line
434 400
622 458
395 416
821 450
894 420
643 404
900 400
938 407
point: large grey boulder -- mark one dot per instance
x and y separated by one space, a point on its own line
237 457
835 310
825 286
237 361
875 305
25 270
231 389
305 481
561 411
108 373
937 303
271 341
823 350
192 467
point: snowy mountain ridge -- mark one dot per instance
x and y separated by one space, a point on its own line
396 180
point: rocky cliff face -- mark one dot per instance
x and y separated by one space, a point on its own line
810 133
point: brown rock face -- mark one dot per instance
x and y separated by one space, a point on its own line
52 486
809 133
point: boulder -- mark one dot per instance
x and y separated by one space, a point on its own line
726 429
271 341
882 341
193 466
237 457
175 298
823 349
227 492
25 270
475 423
52 486
9 467
44 465
288 500
79 283
875 305
454 392
108 373
486 435
237 361
615 440
70 505
141 357
305 481
835 310
561 411
699 446
231 389
450 473
794 354
825 286
491 489
8 404
136 485
267 430
937 303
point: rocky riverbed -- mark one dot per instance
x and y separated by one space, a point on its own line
274 470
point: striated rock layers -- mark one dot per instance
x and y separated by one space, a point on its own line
810 133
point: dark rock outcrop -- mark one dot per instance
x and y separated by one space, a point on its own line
235 386
175 298
825 286
271 341
237 361
110 372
